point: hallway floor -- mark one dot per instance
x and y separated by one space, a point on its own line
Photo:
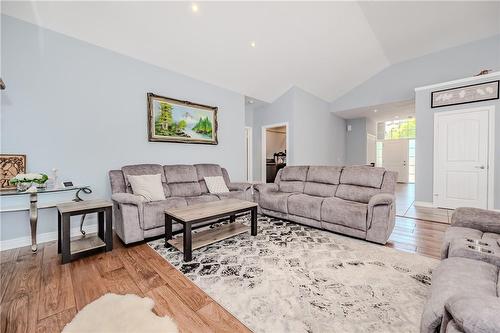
405 206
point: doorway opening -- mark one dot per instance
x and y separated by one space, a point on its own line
274 150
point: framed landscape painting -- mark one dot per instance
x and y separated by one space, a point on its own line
172 120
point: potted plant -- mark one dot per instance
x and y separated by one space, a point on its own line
23 181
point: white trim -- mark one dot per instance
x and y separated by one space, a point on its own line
249 156
491 150
42 238
464 80
263 147
423 204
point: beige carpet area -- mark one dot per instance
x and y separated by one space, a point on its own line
121 314
292 278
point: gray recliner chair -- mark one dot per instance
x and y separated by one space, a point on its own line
465 291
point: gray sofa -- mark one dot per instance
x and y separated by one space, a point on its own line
136 219
465 291
353 200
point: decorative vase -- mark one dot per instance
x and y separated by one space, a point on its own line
23 186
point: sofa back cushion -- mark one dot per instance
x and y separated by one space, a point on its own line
292 179
144 169
182 180
322 181
207 170
360 183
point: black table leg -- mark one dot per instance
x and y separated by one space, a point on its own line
59 239
66 250
100 226
188 251
109 229
254 221
232 218
168 229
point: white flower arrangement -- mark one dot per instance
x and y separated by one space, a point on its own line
38 178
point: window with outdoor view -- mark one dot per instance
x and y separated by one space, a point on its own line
400 129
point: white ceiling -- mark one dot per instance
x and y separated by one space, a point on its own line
383 112
326 48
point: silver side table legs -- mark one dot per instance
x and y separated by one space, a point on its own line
33 220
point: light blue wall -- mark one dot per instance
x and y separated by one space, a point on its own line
356 141
425 140
280 111
316 136
82 109
397 82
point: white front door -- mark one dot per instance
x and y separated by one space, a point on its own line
395 158
461 158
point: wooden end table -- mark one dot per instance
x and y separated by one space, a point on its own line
214 210
86 244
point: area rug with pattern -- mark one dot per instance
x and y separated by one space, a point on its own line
293 278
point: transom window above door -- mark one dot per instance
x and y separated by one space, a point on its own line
397 129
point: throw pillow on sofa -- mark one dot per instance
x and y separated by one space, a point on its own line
216 184
147 186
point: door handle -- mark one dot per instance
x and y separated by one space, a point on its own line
480 167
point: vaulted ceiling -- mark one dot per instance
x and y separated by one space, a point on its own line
261 49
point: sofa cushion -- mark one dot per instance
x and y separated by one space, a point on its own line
356 193
201 198
362 175
290 186
182 180
305 205
277 201
320 189
185 189
232 195
347 213
324 174
180 173
142 169
207 170
457 276
216 184
154 211
294 173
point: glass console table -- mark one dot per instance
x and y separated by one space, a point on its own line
33 209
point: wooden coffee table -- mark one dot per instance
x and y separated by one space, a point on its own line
214 210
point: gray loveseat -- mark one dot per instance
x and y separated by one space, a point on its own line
136 219
465 291
353 200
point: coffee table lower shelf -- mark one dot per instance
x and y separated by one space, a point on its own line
210 236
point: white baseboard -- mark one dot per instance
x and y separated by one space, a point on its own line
42 238
423 204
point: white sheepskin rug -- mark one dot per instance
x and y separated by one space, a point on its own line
120 313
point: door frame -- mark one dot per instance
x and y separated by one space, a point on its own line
249 166
491 151
264 148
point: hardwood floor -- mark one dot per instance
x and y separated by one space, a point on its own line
38 294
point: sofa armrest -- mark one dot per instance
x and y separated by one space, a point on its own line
127 198
475 218
381 199
239 186
474 313
269 187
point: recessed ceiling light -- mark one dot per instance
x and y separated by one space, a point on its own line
194 8
250 101
252 44
375 110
